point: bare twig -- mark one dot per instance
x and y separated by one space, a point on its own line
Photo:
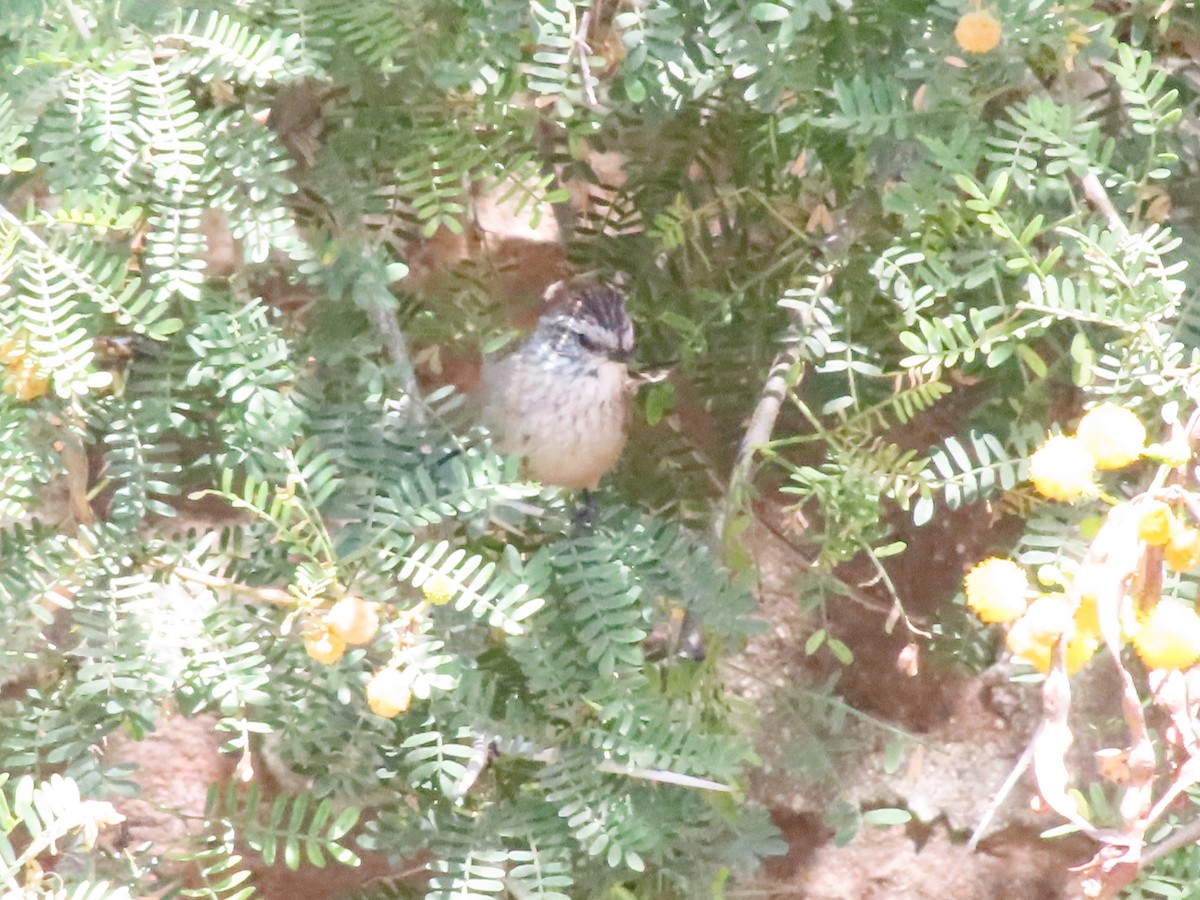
273 596
75 461
384 322
77 20
762 421
582 49
1098 197
1180 837
1001 795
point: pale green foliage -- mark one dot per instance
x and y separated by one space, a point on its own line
133 126
928 236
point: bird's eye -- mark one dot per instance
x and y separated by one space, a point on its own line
585 342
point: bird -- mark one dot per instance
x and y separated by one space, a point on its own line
560 400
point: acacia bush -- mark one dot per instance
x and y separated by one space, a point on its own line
836 218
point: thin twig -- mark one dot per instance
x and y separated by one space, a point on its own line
564 213
582 49
273 596
387 325
766 413
1180 837
1098 197
77 20
762 422
897 611
75 461
1001 795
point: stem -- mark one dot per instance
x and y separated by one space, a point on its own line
272 596
387 325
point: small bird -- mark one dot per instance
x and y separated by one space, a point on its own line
560 400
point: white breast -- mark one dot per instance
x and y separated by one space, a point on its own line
569 426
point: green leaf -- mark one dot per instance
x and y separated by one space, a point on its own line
886 816
769 12
814 642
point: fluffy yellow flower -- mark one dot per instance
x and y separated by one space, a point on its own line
1047 618
438 590
1113 435
1062 469
978 32
1156 524
1087 616
323 645
353 619
1169 637
388 693
1182 553
996 590
1033 636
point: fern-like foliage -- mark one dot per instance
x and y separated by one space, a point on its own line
214 216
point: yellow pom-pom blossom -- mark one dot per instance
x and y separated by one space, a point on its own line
388 693
1169 637
1182 553
997 590
1113 435
1156 523
353 619
1062 469
323 645
1033 636
24 380
438 590
1047 618
978 32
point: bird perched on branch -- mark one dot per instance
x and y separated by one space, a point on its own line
560 400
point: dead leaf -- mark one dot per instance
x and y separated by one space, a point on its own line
909 659
819 220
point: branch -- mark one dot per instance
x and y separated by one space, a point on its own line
997 801
387 325
582 48
272 596
77 20
1098 197
762 422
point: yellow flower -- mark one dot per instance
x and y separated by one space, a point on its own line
1173 453
1033 636
1087 616
25 381
438 590
1182 553
996 590
353 620
1062 469
388 693
1156 524
1113 435
978 32
1047 618
323 645
1169 637
12 352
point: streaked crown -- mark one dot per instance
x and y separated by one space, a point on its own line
587 314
